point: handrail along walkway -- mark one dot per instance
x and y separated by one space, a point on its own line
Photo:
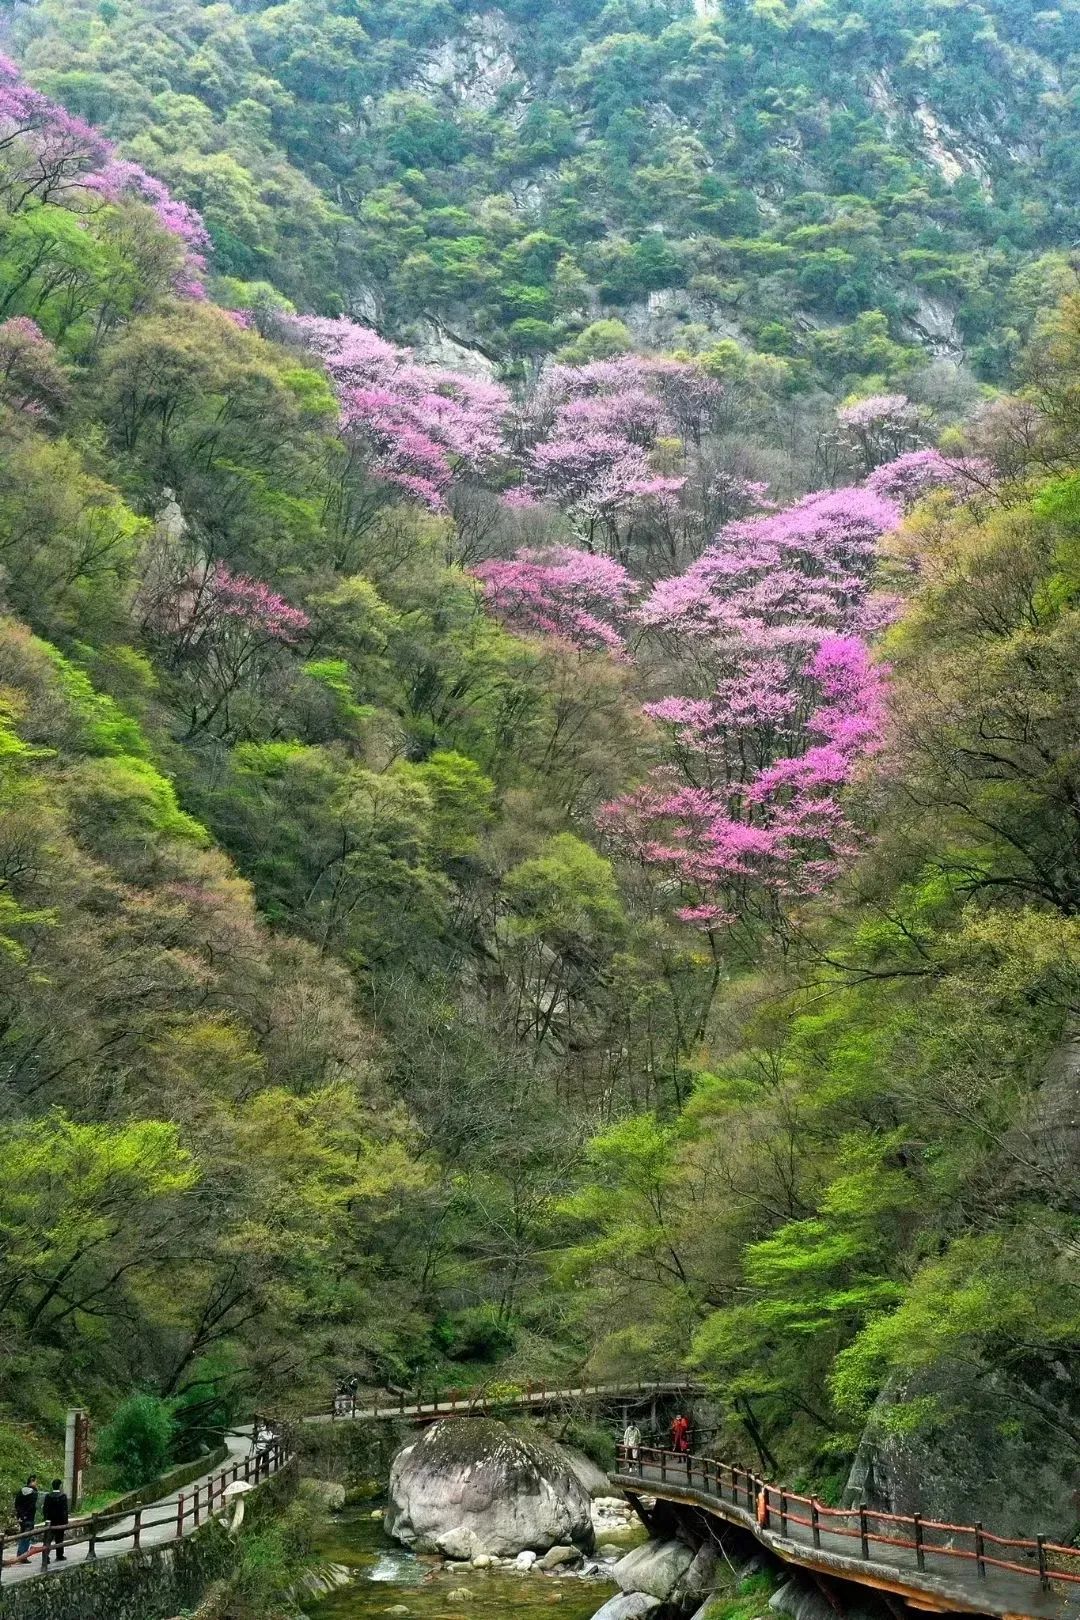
922 1550
101 1534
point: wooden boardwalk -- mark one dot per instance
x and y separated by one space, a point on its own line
534 1397
939 1567
934 1566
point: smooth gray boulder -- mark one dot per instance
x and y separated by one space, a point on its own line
590 1475
700 1578
657 1568
560 1558
628 1606
471 1486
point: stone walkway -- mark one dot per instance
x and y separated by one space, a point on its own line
119 1536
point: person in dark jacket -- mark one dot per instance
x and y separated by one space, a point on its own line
26 1513
54 1510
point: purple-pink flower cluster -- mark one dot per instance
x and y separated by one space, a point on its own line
581 598
422 426
589 434
61 159
781 701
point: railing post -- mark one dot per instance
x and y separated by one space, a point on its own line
195 1507
1044 1579
815 1523
689 1469
980 1549
91 1545
180 1516
136 1529
376 1403
864 1540
3 1539
401 1401
920 1551
663 1468
783 1512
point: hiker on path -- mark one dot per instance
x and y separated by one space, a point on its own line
26 1514
54 1510
631 1441
680 1434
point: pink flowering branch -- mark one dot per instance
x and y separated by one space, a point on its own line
52 156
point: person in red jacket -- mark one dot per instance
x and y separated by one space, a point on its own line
680 1434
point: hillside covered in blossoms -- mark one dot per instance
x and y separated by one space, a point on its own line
539 800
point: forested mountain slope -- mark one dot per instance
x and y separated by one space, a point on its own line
508 872
790 173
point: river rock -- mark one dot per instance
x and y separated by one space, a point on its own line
628 1606
525 1560
470 1486
589 1475
700 1578
657 1567
561 1558
328 1492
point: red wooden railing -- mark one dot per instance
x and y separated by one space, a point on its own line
189 1510
773 1510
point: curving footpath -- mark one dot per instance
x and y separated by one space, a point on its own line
942 1568
170 1518
933 1566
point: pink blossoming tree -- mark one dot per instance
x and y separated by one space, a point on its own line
419 427
224 631
581 598
49 155
611 444
779 701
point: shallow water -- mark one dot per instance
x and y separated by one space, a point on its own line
385 1575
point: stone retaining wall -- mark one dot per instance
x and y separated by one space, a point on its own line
151 1584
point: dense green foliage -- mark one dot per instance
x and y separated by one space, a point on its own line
334 1036
834 183
136 1441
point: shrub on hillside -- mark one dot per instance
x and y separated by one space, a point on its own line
135 1446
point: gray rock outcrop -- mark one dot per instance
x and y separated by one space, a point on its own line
657 1568
989 1455
800 1599
471 1486
628 1606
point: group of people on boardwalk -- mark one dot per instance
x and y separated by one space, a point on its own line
680 1437
54 1512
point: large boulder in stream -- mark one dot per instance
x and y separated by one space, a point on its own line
471 1485
658 1568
